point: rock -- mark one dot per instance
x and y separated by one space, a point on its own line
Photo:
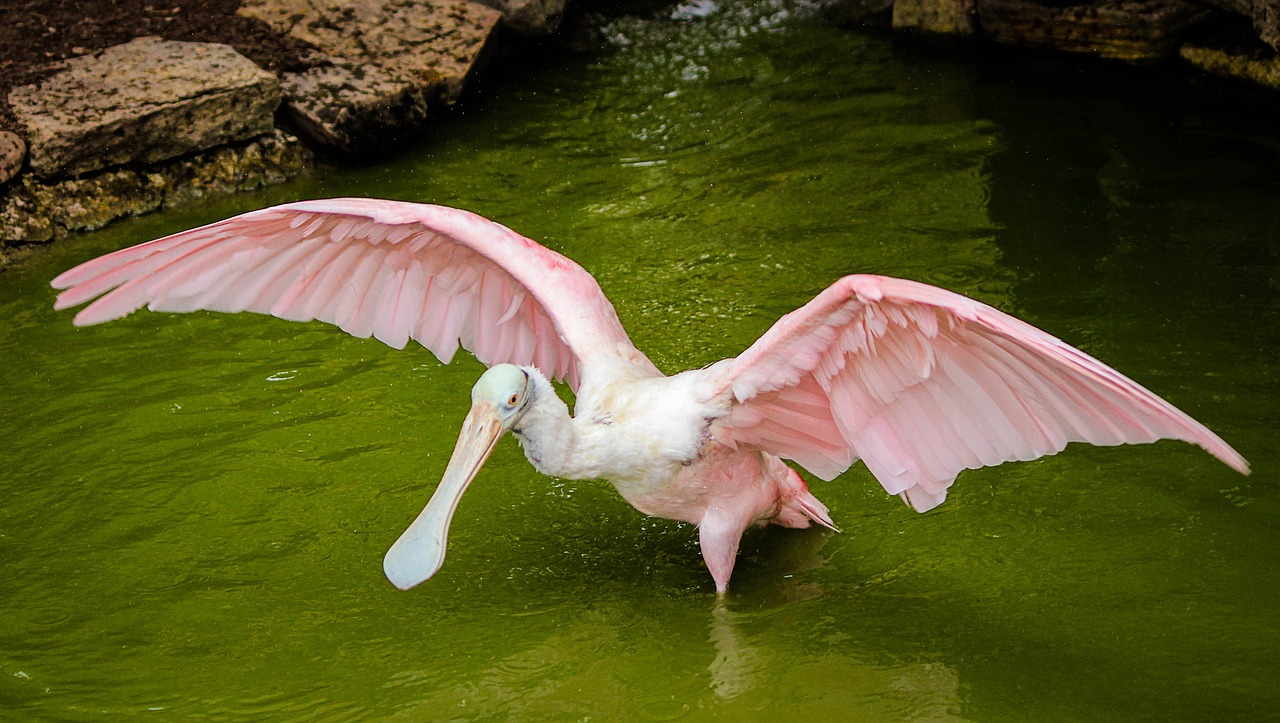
529 17
12 151
265 161
1264 14
935 17
35 211
144 101
1217 62
89 203
859 13
354 108
1130 30
432 43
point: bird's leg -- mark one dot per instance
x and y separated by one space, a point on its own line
719 534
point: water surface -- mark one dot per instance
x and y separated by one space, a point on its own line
193 509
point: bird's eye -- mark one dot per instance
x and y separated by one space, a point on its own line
512 401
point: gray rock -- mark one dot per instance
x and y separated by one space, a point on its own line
433 44
354 108
530 17
267 160
1265 73
859 13
1132 30
36 211
935 17
144 101
1265 15
12 151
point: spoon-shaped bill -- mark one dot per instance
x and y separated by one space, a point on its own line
419 552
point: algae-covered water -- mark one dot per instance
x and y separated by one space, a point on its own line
193 509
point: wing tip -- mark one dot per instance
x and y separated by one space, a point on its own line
1228 456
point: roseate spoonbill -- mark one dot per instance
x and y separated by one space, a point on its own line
917 382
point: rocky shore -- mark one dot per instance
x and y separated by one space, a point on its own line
107 116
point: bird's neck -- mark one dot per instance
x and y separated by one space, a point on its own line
546 430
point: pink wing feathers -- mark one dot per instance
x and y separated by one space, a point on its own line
921 383
392 270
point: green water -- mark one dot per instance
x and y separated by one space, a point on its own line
193 509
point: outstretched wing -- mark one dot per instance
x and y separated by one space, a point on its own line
921 383
388 269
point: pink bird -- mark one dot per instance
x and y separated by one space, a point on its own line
917 382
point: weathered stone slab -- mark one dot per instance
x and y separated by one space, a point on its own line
433 43
530 17
1131 30
935 17
354 107
12 151
36 211
859 13
1262 72
143 101
1265 15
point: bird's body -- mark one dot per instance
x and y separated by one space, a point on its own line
651 437
917 382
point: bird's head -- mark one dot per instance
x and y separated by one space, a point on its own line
498 400
504 390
